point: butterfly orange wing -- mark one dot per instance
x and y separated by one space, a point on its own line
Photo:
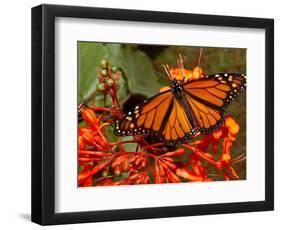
161 115
208 96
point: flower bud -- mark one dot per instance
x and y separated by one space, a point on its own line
103 72
184 173
110 82
126 165
103 63
100 87
90 117
113 69
117 172
81 143
105 173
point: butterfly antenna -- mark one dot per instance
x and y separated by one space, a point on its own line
200 56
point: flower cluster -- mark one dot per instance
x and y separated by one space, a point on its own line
104 162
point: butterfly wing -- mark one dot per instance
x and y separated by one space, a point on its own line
178 127
208 96
174 119
161 115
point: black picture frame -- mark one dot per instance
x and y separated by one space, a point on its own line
43 114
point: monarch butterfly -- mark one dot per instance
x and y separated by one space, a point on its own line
186 107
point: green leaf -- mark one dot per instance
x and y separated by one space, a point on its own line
90 55
123 176
129 147
82 124
111 136
139 72
80 169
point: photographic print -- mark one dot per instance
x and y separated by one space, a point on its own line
170 116
150 114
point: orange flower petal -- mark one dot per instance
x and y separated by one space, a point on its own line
232 125
179 73
90 117
197 72
184 173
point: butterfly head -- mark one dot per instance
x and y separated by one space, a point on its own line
175 83
176 86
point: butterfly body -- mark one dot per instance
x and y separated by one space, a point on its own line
176 87
184 109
